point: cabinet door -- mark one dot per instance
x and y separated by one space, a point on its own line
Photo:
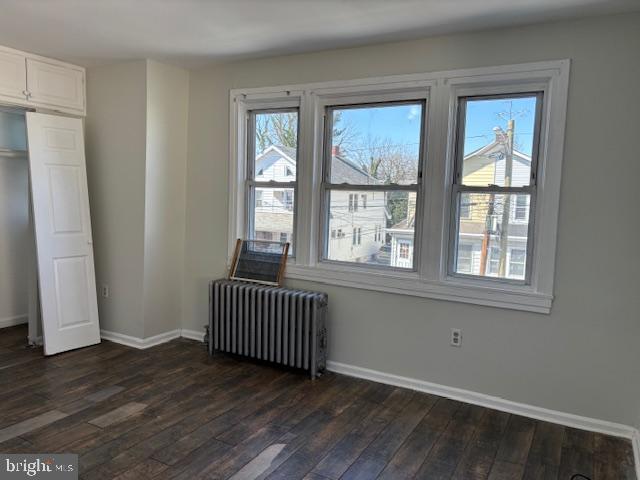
13 75
55 85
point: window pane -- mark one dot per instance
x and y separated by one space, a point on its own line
375 145
273 214
380 234
498 141
276 144
489 242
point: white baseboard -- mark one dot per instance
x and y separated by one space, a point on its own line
192 334
13 321
636 451
489 401
140 343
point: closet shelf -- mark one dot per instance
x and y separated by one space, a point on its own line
5 152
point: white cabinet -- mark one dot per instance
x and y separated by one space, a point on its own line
55 85
13 75
33 81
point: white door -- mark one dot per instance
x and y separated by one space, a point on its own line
55 85
63 232
13 76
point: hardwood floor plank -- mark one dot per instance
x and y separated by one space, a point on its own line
411 455
445 455
502 470
478 458
30 424
517 440
376 456
310 452
119 414
104 393
546 451
349 448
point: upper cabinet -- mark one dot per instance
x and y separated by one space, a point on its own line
55 85
13 74
37 82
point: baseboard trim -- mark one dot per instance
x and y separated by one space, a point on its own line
636 451
192 334
140 343
7 322
489 401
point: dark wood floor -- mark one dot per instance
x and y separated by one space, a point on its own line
172 412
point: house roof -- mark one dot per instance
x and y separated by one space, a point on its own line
342 166
266 160
491 146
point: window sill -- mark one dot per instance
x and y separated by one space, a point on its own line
502 296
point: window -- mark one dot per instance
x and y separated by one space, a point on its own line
378 233
465 207
374 163
517 262
272 144
495 163
353 202
521 209
494 261
423 184
465 258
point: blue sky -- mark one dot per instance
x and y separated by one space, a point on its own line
400 124
484 115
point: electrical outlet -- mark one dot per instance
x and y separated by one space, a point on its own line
456 337
104 291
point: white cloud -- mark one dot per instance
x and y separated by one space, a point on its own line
413 113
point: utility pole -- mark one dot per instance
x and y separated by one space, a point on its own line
487 235
506 204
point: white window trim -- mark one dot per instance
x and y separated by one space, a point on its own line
431 280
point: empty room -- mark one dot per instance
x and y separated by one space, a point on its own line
320 239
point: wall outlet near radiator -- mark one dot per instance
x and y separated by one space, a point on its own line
456 337
104 290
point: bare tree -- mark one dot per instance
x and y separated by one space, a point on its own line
282 129
388 162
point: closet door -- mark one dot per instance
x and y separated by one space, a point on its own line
13 76
55 85
63 232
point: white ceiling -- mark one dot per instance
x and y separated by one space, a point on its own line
195 32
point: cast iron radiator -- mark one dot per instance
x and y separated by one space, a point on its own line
275 324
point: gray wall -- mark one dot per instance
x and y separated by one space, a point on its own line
584 357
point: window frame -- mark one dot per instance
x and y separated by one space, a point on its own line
431 278
458 188
252 185
364 101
